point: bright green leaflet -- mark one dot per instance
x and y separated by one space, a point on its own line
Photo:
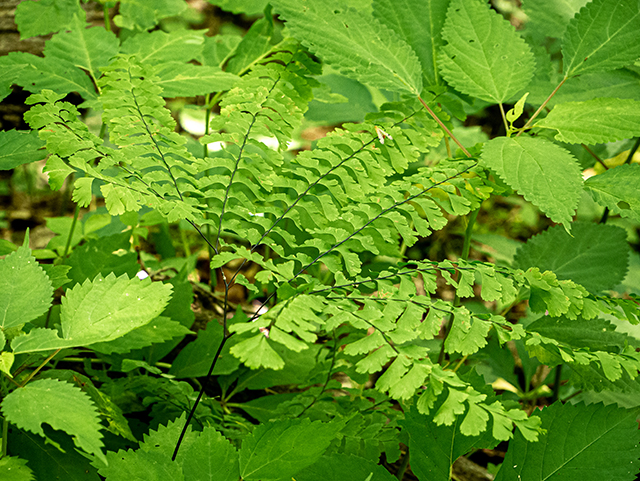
279 449
62 406
581 443
158 47
419 23
19 147
484 56
99 311
594 255
545 174
184 80
13 468
87 48
617 189
26 289
604 35
549 18
358 46
594 121
46 16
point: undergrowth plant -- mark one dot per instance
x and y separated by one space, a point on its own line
382 357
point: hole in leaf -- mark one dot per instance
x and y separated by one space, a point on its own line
623 205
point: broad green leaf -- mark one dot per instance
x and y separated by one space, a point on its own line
26 289
334 467
581 443
57 274
60 405
19 147
594 121
49 73
97 257
180 80
549 18
216 49
357 45
617 189
8 76
211 457
86 48
99 311
144 15
419 23
279 449
13 468
158 47
248 7
594 334
47 461
594 255
434 448
604 35
619 84
46 16
255 43
545 174
159 330
484 56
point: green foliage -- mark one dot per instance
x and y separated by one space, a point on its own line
339 311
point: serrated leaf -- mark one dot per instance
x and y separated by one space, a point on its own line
279 449
26 289
580 444
604 35
158 47
484 56
549 18
594 334
354 43
8 76
49 73
545 174
62 406
594 121
144 15
99 311
333 468
19 147
13 468
254 43
46 16
617 189
594 255
248 7
158 330
419 23
180 80
211 457
87 48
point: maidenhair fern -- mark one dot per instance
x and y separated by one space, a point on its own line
325 231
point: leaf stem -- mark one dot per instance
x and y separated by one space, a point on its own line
444 127
44 363
544 104
465 255
504 118
71 230
403 466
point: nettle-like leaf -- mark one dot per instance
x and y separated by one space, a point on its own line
615 190
141 15
86 48
594 255
13 468
68 409
602 36
158 47
549 18
484 56
420 24
46 16
580 443
26 290
19 147
594 121
356 44
279 449
333 468
544 173
99 311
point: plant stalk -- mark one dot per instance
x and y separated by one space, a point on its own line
71 230
544 104
444 127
